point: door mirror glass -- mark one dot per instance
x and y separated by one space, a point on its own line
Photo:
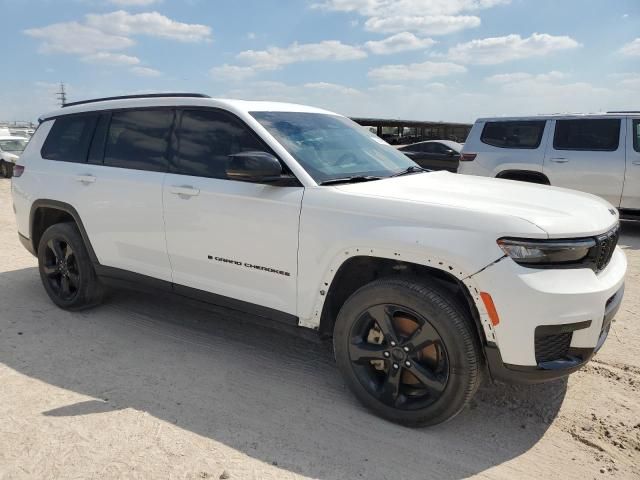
257 167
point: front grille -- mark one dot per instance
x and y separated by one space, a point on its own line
603 251
552 347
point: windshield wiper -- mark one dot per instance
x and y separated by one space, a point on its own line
409 170
354 179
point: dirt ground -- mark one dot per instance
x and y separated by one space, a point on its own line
148 387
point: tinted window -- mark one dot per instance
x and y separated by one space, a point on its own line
601 134
96 151
525 134
636 135
139 140
206 138
69 138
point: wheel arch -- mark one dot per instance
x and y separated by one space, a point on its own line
45 212
530 176
359 270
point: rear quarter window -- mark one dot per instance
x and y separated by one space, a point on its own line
69 138
587 134
513 134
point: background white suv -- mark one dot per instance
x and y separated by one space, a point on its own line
300 217
599 154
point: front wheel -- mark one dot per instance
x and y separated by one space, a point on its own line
408 351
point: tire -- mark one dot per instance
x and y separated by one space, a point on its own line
4 169
443 358
66 270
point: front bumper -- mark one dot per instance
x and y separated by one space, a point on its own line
576 304
575 359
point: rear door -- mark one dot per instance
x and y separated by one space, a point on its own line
588 154
119 190
235 239
631 192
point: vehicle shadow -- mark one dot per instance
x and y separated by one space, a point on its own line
271 395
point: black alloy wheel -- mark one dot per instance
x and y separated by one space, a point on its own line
61 269
406 366
407 347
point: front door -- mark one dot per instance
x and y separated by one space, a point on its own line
588 154
234 239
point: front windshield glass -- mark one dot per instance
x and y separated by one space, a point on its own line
13 146
331 147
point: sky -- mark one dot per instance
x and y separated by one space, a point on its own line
438 60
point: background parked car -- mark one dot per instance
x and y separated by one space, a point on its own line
598 154
10 150
434 154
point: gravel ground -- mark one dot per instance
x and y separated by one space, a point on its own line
147 387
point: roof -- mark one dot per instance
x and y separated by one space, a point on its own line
556 116
236 106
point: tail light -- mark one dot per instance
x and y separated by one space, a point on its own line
18 170
468 157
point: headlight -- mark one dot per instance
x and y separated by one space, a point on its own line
541 253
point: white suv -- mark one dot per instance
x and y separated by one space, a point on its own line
299 216
598 154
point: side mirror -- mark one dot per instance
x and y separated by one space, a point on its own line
451 153
257 167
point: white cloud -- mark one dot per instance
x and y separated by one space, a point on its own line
400 42
145 72
153 24
275 57
75 38
114 59
332 88
425 24
631 49
134 3
427 17
370 8
503 78
495 50
231 72
415 71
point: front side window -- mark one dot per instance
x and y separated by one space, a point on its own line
513 134
587 134
636 135
69 138
13 146
139 139
206 138
332 147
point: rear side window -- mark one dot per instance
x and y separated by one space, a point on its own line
69 138
206 138
139 139
636 135
513 134
587 134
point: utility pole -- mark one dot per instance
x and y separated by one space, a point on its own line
62 95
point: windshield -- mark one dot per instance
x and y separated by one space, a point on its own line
13 146
332 147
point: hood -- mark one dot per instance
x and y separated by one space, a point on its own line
560 212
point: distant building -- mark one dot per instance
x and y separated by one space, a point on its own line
402 132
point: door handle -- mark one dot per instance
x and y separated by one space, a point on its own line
184 190
559 159
86 179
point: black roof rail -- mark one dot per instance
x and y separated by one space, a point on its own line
624 111
144 95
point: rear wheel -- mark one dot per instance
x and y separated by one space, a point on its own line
408 351
66 270
4 169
